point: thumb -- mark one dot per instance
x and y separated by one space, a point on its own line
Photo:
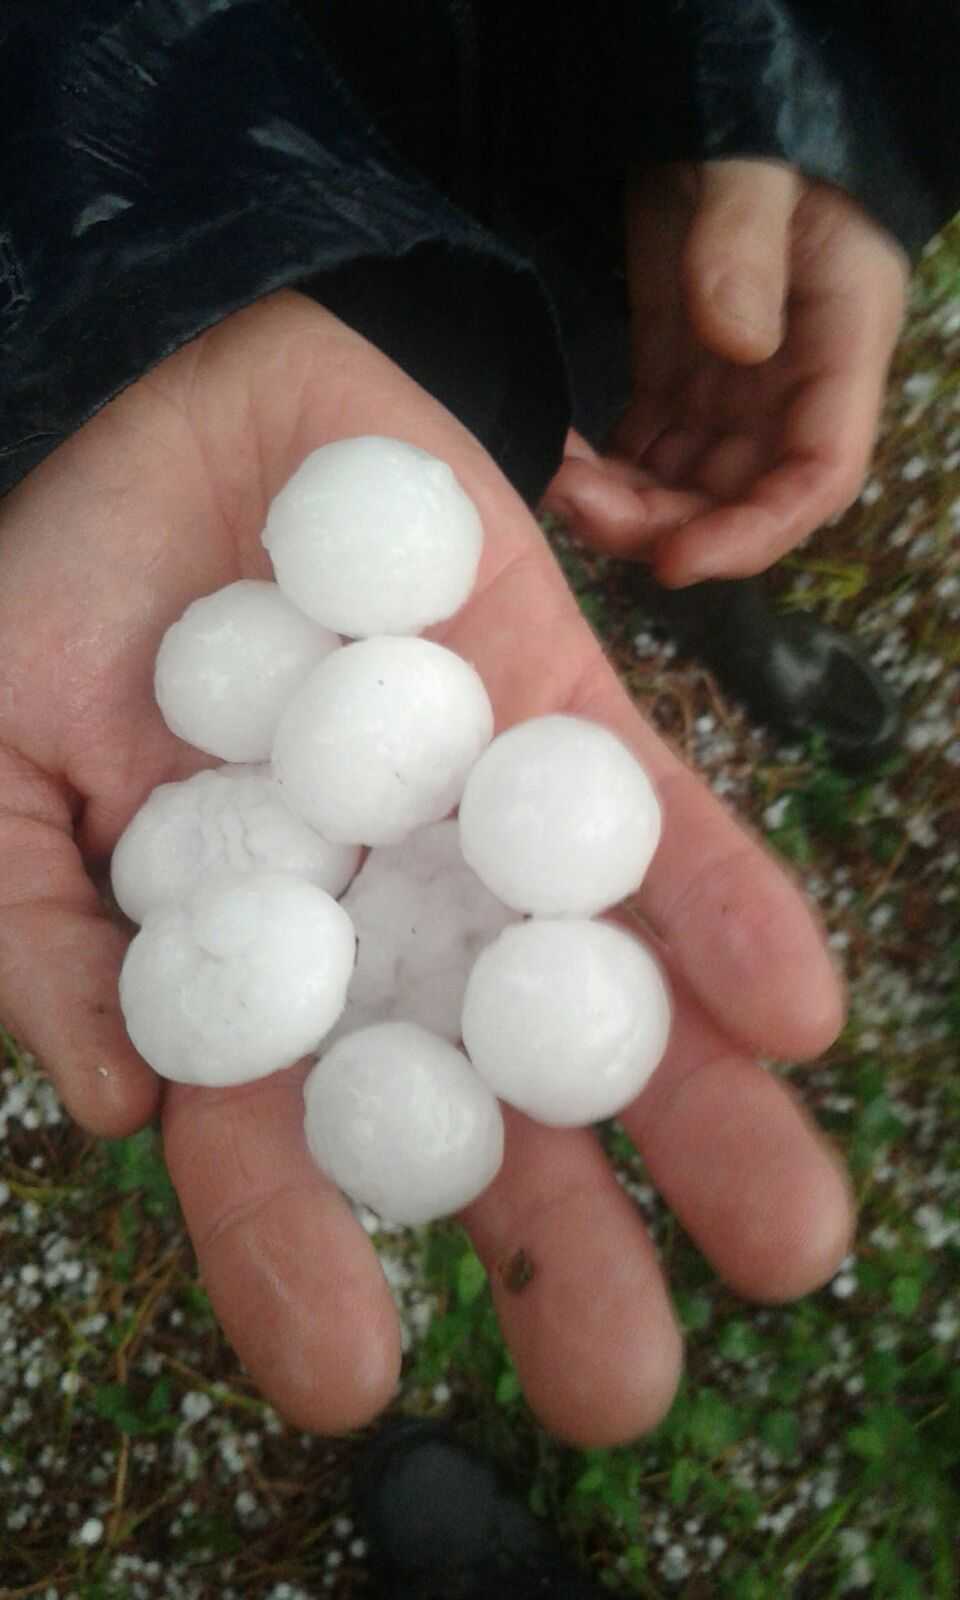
736 255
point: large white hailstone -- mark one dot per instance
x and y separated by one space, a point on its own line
558 818
421 918
226 670
401 1123
232 820
380 739
566 1019
372 535
246 977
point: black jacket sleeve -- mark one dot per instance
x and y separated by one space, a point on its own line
529 115
168 161
859 93
534 97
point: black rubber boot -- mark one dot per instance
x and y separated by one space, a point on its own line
441 1525
796 674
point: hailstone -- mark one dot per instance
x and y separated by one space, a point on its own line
421 918
226 670
243 979
373 536
232 819
380 738
558 818
401 1122
566 1019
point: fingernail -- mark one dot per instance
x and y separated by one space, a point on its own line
691 573
744 299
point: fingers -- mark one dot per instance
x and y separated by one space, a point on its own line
614 507
847 299
734 1155
730 465
735 259
736 928
292 1276
827 443
578 1291
675 453
60 958
742 1165
735 924
777 513
581 1300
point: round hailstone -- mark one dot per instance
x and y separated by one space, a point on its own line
380 739
246 977
401 1122
421 918
231 820
566 1019
373 536
226 670
558 818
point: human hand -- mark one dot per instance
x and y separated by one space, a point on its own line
764 312
161 498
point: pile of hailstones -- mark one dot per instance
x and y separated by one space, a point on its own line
480 930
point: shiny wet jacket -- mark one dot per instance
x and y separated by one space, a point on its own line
164 162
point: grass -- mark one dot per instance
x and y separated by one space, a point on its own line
814 1450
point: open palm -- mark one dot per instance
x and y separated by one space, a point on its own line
161 498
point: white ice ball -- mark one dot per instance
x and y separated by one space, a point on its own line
232 820
226 670
246 977
421 918
401 1122
380 738
558 818
566 1019
372 535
